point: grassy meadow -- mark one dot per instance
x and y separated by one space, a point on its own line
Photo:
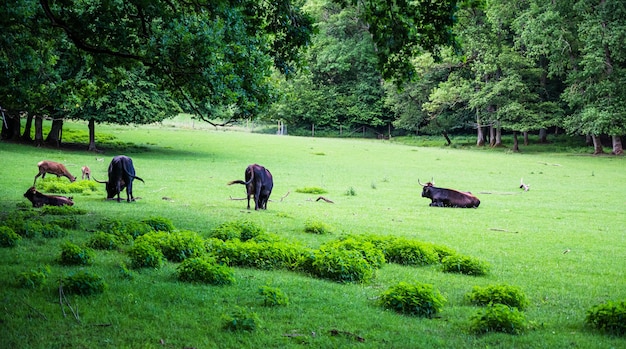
563 242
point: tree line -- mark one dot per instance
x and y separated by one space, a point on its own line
420 66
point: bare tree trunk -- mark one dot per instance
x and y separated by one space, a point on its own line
92 135
480 136
492 135
515 142
54 137
445 135
543 135
498 142
617 145
526 138
38 130
27 128
597 145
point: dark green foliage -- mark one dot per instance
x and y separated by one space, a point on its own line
465 265
242 230
498 294
103 241
144 255
372 255
609 317
115 227
443 251
160 223
241 320
35 278
498 318
69 222
182 244
72 254
417 299
30 228
338 265
136 229
84 283
260 255
205 270
126 273
411 252
8 238
273 296
53 231
317 227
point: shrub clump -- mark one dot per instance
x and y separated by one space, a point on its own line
311 190
241 320
175 246
30 228
72 254
35 278
372 255
609 317
8 237
317 227
205 270
338 265
84 283
144 255
411 252
103 241
51 231
273 296
243 230
465 265
70 222
266 255
498 318
160 224
498 294
417 299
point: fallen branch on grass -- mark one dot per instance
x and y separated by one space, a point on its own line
504 230
346 333
325 199
63 299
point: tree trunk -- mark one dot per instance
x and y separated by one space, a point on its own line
11 125
597 145
38 130
480 136
54 137
492 136
498 136
27 128
445 135
92 135
543 135
515 142
617 145
525 138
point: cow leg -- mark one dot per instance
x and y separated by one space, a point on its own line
257 195
248 194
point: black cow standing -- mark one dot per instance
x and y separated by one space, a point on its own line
259 183
443 197
121 175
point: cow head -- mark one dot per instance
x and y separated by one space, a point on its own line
426 191
111 188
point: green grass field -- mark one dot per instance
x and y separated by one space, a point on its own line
563 242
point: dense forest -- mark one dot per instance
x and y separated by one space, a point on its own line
417 67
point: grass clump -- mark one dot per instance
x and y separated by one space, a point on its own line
144 255
273 296
103 241
511 296
35 278
265 255
498 318
243 230
609 317
311 190
411 252
337 264
63 186
317 227
465 265
160 223
241 319
72 254
370 253
8 237
84 283
205 270
416 299
51 231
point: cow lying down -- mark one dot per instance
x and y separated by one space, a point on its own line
444 197
38 199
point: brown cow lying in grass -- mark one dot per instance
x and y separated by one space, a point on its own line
38 199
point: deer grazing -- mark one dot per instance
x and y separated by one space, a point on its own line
54 168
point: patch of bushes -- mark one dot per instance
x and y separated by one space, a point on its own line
175 246
63 186
84 283
370 253
416 299
29 229
137 229
511 296
273 296
243 230
144 255
241 319
34 279
317 227
9 238
205 270
103 241
72 254
160 224
609 317
464 265
51 231
411 252
311 190
252 254
498 318
338 265
69 222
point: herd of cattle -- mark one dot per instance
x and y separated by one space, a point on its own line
257 179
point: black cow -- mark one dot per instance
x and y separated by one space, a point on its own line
121 175
38 199
259 183
443 197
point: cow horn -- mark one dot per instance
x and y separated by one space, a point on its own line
420 183
94 178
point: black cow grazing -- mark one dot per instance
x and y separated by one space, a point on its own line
443 197
121 175
259 183
38 199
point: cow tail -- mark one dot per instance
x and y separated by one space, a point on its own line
139 178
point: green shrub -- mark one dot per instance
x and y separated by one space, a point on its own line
498 294
242 230
137 229
62 186
144 255
35 278
317 227
84 283
443 251
351 192
205 270
182 244
372 255
252 254
9 238
52 231
72 254
103 241
126 273
411 252
337 265
30 228
69 222
417 299
311 190
273 296
241 320
609 317
498 318
465 265
160 223
113 226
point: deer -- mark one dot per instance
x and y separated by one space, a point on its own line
54 168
